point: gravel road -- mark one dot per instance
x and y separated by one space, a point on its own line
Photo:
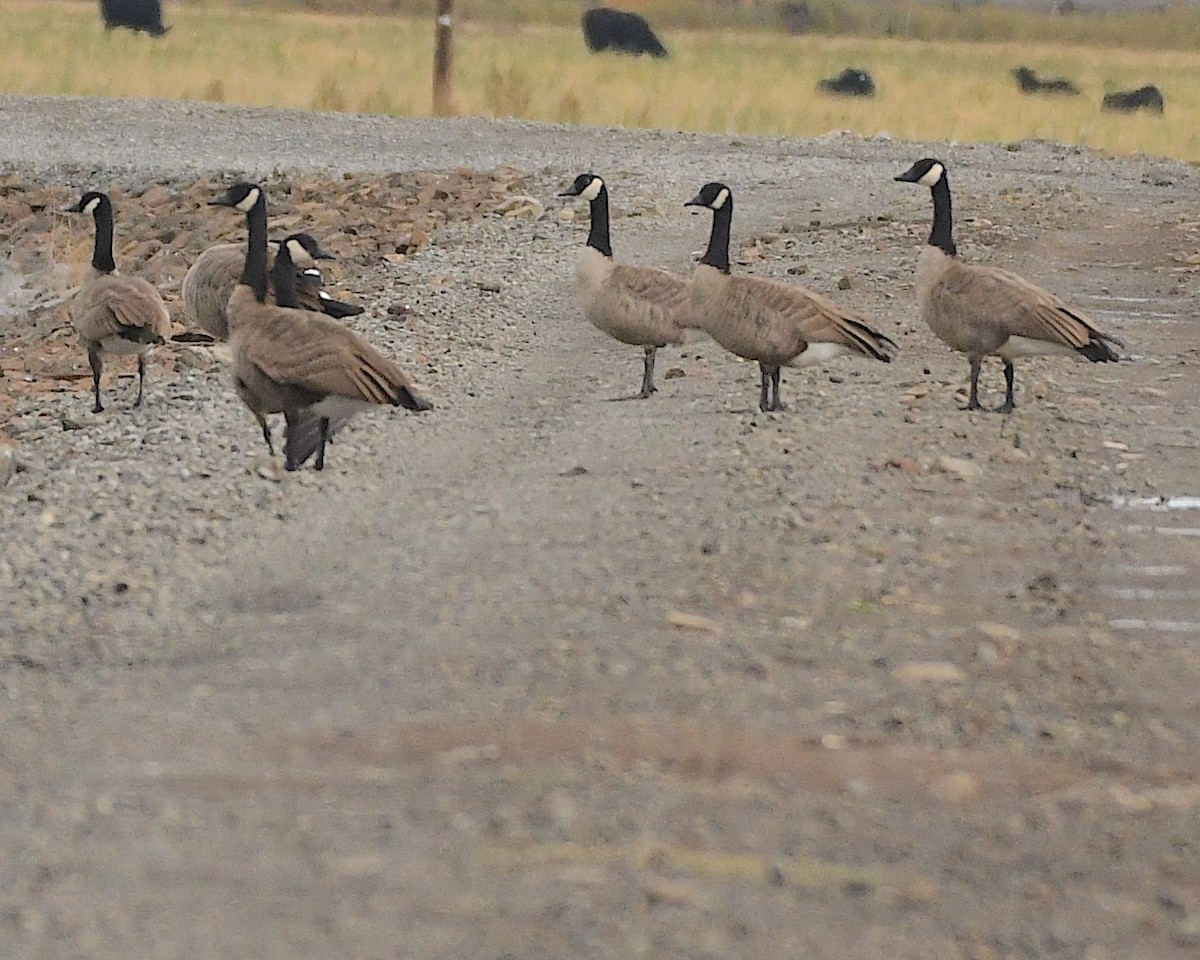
542 675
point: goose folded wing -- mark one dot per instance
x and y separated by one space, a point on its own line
1020 308
326 359
125 307
793 313
650 285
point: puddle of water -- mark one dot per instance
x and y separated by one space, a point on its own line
1162 626
1150 593
1135 570
1156 503
1139 316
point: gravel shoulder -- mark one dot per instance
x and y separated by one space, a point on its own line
541 674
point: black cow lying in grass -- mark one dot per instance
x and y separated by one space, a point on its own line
850 82
605 29
1148 97
144 15
1030 82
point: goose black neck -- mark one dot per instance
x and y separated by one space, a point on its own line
254 274
941 236
102 253
283 276
717 254
598 234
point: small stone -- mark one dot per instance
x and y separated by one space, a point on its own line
8 463
844 283
521 206
1115 445
1000 632
958 787
833 741
575 471
692 621
957 467
932 671
661 892
1015 455
269 469
903 464
798 624
674 373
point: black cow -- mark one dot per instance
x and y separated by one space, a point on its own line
1148 97
1030 82
606 29
143 15
851 82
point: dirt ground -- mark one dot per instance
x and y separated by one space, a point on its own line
545 675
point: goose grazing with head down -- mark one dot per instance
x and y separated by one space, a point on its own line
778 324
983 311
291 361
112 313
641 306
211 278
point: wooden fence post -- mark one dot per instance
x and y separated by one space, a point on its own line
443 56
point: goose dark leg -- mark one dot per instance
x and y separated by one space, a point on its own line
266 431
776 376
141 379
320 464
764 396
1009 376
97 364
973 402
648 376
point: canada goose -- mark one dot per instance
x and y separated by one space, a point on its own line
778 324
211 278
642 306
288 360
112 313
983 311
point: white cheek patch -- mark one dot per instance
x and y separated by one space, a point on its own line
932 175
91 205
297 252
592 191
247 203
719 200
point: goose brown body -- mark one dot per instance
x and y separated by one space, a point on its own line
778 324
299 362
113 313
987 311
209 283
642 306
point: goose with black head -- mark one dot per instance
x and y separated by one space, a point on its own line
778 324
986 311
